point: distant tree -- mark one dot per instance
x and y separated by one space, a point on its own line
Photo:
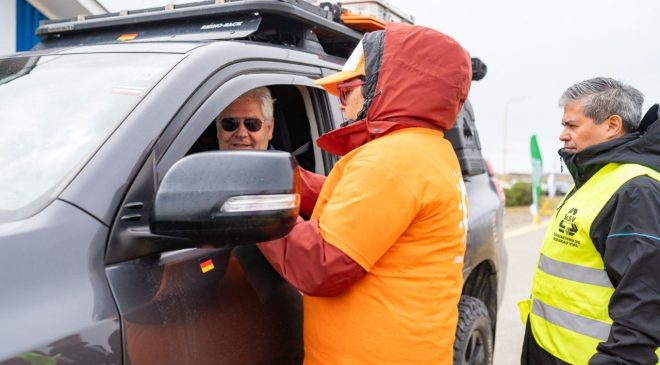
518 194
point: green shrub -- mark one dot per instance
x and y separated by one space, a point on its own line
519 194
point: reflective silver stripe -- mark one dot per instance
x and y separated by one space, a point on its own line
577 273
582 325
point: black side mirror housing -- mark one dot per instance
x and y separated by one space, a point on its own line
228 197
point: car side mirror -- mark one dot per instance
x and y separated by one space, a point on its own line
228 197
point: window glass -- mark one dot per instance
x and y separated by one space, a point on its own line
56 111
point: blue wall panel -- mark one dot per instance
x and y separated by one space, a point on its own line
27 21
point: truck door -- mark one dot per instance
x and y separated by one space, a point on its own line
221 305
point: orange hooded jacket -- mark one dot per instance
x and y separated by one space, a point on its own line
381 256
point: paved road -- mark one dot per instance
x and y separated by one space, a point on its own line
523 241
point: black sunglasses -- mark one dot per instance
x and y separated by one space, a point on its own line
231 124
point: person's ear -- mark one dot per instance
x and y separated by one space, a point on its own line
270 125
614 126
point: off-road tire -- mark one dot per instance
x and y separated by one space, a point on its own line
474 340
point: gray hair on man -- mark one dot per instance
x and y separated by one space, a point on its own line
602 97
262 95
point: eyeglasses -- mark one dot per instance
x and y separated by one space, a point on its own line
345 88
231 124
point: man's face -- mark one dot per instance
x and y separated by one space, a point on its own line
354 103
242 138
581 131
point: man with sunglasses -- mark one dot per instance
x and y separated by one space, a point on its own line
247 123
380 259
351 97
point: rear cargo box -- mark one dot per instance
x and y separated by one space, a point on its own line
380 9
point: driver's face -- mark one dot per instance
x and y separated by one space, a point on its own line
241 138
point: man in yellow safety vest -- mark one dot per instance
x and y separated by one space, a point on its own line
596 290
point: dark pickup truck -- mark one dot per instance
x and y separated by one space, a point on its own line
124 241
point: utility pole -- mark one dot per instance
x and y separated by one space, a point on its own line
505 131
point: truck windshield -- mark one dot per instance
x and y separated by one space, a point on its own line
56 111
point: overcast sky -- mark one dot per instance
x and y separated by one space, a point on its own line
534 51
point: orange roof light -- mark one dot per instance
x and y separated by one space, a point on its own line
127 37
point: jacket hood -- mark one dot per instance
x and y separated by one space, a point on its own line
415 77
639 147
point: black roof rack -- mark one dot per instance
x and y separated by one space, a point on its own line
289 22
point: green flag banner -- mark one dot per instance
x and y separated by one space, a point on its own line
537 173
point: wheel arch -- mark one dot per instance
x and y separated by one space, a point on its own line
482 283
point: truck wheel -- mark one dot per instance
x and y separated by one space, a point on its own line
474 340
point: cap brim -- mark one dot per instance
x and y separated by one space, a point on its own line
330 82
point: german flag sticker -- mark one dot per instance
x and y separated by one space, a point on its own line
127 37
206 264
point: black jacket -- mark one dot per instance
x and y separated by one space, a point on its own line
627 234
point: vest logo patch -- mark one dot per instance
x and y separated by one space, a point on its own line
567 225
567 229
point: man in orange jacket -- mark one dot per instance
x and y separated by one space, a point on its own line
380 259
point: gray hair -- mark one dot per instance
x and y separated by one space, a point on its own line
262 95
602 97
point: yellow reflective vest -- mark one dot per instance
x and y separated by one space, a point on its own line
571 291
